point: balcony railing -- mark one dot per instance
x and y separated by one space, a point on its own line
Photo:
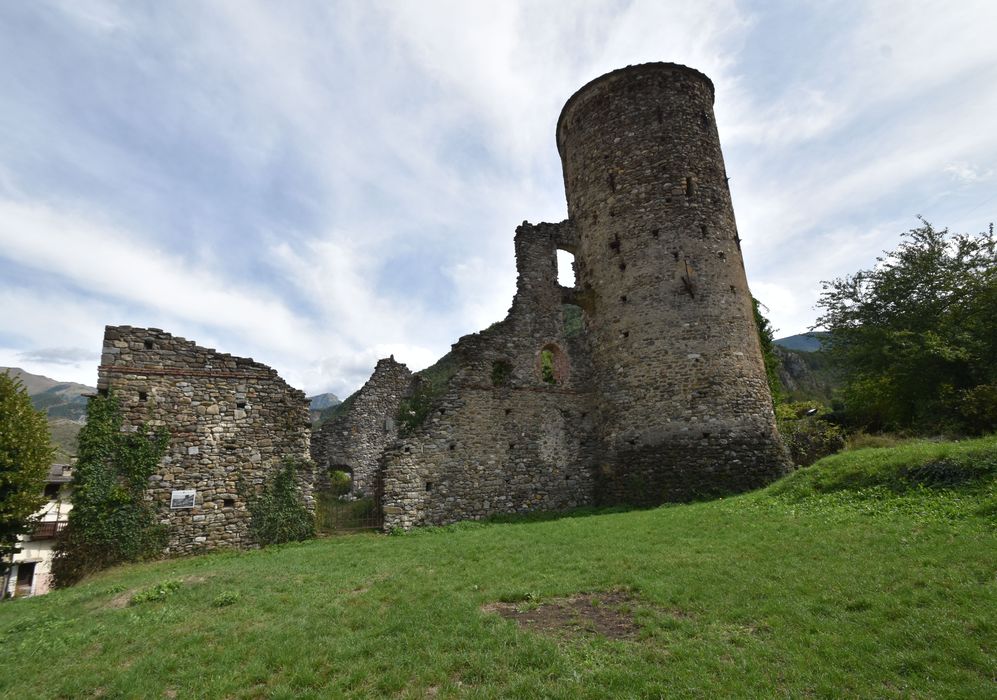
48 530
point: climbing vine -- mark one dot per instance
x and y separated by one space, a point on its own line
277 513
111 521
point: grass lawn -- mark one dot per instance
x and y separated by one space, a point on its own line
870 574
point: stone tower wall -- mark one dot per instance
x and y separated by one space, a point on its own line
686 409
231 423
354 440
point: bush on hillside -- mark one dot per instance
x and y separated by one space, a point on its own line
807 433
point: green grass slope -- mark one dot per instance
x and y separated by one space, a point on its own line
870 574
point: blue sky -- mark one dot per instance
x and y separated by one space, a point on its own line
320 184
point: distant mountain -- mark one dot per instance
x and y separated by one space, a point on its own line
64 403
58 399
802 342
321 405
323 401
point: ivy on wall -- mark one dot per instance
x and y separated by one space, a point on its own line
277 513
111 521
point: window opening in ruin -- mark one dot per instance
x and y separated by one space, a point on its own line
52 492
453 447
143 396
149 345
704 230
240 404
429 485
103 392
623 298
623 267
690 187
655 233
572 320
229 503
553 365
501 372
566 269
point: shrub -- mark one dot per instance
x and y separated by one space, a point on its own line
414 409
157 592
806 433
501 371
978 406
225 599
340 482
277 514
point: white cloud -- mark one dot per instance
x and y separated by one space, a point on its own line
347 139
965 172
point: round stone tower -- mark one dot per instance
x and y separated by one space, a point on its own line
686 409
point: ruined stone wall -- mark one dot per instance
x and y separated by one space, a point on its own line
500 439
355 439
685 407
231 423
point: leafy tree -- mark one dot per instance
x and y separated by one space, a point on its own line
916 335
111 522
765 338
26 454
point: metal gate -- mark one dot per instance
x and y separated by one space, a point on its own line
340 514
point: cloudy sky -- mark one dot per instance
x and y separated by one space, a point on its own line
319 184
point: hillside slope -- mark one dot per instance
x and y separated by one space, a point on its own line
64 403
871 575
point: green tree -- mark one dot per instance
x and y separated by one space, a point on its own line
916 335
765 338
111 522
26 454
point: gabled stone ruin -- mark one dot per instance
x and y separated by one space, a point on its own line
643 383
231 422
355 439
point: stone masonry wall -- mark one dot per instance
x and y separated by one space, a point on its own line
355 439
231 423
500 439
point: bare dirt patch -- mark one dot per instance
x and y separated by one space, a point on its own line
608 614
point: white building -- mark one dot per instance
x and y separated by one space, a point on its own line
32 571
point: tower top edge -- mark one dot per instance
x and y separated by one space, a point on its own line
632 72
